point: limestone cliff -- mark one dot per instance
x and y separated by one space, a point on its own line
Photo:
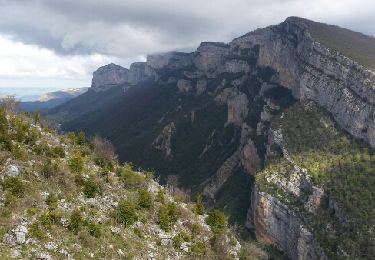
223 99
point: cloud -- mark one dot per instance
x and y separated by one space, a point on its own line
132 28
71 38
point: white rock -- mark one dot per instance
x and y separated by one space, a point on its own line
43 256
15 253
20 233
64 222
52 246
120 252
115 230
9 240
185 246
12 171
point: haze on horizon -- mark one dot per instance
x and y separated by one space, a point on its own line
51 44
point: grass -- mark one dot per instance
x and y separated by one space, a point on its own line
354 45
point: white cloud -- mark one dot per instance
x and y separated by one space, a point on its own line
67 40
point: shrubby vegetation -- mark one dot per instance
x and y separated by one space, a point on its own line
343 166
76 195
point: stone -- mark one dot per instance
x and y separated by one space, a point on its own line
43 256
52 246
20 232
9 240
12 171
115 230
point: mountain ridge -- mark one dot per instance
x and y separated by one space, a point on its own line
203 121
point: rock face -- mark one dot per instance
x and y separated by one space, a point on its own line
248 80
276 223
113 75
312 71
163 141
108 76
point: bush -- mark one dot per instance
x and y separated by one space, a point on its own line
104 150
216 220
49 169
76 221
168 215
91 188
10 104
126 213
50 218
56 152
36 231
81 138
94 229
76 164
144 198
199 207
51 201
14 185
130 178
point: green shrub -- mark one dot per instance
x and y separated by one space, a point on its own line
198 249
76 164
168 215
36 231
126 213
199 207
94 229
144 199
51 201
56 152
50 218
49 169
76 221
32 211
91 188
216 220
130 178
36 117
161 196
178 240
14 185
81 138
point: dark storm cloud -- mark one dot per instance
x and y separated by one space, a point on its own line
131 28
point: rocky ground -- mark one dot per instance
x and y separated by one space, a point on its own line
62 198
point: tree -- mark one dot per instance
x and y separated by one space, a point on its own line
37 117
10 104
199 207
216 220
104 149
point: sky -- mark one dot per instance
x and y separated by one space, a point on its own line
57 44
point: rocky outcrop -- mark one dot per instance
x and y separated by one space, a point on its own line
108 76
210 57
276 224
237 103
342 86
184 85
172 60
163 141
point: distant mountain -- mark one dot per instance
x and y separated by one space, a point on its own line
52 99
277 128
